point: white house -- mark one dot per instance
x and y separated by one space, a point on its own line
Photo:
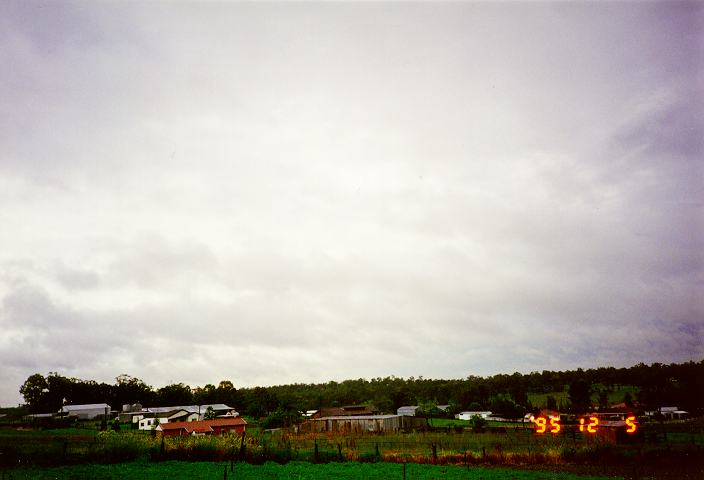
469 415
86 412
218 408
150 420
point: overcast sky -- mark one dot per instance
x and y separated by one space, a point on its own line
279 193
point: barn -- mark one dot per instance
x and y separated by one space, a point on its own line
86 411
364 423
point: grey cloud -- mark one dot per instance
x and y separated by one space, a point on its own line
493 187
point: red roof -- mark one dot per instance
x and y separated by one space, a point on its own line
203 425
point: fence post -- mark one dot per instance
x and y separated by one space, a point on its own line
404 470
339 451
244 432
435 453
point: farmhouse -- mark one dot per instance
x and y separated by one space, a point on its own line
169 414
363 423
86 412
150 420
217 426
218 408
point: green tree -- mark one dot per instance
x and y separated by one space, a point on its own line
478 423
34 391
281 418
209 413
205 395
603 399
174 394
128 389
580 394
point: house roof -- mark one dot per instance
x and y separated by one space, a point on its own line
191 408
202 426
89 406
353 417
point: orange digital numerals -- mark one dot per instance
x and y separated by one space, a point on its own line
541 425
631 424
591 426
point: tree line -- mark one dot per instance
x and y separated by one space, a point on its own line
657 385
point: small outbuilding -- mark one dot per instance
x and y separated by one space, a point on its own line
408 410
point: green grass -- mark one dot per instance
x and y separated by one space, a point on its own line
448 422
540 400
562 397
274 471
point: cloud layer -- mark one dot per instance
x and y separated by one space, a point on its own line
305 192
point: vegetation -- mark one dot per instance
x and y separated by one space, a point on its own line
271 470
134 454
508 395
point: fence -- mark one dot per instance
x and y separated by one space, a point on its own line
509 446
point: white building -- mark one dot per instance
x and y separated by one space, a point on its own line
408 410
150 420
468 415
86 412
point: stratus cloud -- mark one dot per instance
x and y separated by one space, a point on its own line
492 187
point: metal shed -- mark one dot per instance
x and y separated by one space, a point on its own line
364 423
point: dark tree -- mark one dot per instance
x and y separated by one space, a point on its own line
34 391
205 395
130 390
580 393
175 394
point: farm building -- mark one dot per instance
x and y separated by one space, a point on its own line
363 423
349 410
669 413
195 412
86 412
150 420
469 415
129 412
218 408
217 426
408 410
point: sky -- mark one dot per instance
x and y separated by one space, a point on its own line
278 193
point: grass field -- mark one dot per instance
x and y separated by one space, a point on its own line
274 471
663 449
562 397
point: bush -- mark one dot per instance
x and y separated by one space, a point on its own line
478 423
